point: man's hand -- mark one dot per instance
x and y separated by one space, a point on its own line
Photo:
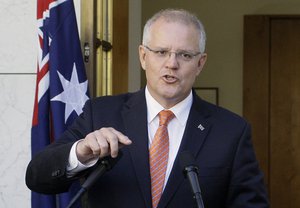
101 143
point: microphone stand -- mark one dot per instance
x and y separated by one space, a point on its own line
191 173
104 166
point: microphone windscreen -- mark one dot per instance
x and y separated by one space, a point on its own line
186 159
106 164
109 162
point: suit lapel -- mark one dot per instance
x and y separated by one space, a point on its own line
194 136
135 121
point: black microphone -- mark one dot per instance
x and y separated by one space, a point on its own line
190 171
105 165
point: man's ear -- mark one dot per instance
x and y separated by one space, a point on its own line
201 62
142 55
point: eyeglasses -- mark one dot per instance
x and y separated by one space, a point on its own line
184 56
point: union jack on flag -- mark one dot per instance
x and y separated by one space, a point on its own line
61 86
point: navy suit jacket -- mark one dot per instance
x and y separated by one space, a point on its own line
229 174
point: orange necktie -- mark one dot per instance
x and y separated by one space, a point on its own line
159 153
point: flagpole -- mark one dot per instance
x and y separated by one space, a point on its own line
109 38
104 35
100 84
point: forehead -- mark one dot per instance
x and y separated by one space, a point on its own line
171 34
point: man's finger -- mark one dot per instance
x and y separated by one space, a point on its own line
122 138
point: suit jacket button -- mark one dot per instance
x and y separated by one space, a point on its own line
55 173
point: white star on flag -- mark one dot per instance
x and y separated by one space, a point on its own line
74 93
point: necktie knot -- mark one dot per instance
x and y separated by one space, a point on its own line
165 116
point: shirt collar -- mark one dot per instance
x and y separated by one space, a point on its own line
181 110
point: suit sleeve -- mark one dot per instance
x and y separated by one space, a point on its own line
246 189
46 172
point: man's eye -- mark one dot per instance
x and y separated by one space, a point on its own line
186 55
161 52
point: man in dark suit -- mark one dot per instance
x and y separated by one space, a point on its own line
172 55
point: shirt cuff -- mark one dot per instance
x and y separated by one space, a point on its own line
74 165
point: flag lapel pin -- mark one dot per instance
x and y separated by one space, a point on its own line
201 127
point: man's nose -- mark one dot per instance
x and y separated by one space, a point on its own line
172 60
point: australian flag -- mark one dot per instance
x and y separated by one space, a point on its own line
61 86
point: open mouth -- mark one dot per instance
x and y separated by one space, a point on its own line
169 79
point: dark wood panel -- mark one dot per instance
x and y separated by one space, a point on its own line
272 101
285 113
120 47
256 85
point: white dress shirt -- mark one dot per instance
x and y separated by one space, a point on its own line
176 129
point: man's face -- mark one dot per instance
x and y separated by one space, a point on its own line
170 78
